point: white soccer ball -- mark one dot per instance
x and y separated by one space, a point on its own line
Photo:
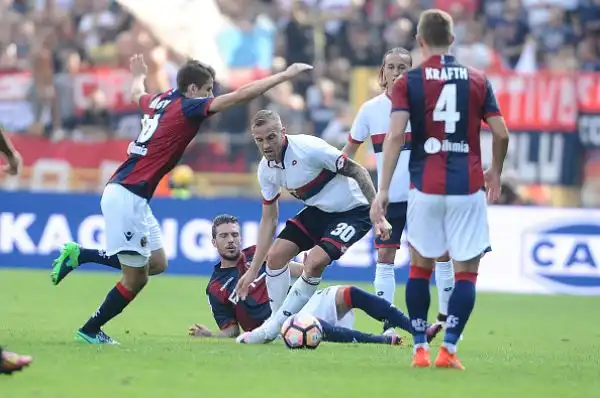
302 331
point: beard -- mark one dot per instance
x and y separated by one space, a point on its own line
230 257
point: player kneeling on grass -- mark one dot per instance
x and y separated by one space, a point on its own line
333 306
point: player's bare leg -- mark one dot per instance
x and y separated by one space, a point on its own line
417 302
460 307
133 280
301 291
278 272
158 262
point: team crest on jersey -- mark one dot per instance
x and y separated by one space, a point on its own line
143 241
341 162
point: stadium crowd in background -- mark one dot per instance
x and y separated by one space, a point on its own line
57 39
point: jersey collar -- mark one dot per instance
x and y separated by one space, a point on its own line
444 59
280 165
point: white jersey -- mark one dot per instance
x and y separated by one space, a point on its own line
373 119
309 171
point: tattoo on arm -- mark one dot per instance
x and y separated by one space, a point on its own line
361 176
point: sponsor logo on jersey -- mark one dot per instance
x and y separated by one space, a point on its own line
564 256
433 145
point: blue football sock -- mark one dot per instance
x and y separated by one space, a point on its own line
417 301
460 307
98 257
336 334
116 300
378 308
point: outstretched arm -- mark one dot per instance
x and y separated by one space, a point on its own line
139 70
256 88
198 330
266 231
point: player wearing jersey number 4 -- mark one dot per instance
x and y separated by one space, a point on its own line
133 239
336 192
445 103
373 120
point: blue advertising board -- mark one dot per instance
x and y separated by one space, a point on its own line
33 227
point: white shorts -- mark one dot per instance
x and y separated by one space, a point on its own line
454 223
322 305
130 225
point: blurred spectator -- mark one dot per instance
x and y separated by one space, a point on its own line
320 101
72 56
510 32
588 55
95 123
290 106
556 33
472 51
336 132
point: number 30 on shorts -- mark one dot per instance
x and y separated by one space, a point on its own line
344 231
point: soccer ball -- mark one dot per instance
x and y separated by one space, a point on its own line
302 331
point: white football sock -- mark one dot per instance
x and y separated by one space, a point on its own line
302 290
278 284
385 281
444 280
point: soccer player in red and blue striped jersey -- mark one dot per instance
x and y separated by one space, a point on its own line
170 121
333 306
445 103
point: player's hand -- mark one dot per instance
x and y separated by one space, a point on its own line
197 330
295 69
13 165
243 285
138 66
383 228
493 185
379 206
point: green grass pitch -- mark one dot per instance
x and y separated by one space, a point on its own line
515 346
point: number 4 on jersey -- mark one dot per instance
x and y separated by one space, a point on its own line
445 109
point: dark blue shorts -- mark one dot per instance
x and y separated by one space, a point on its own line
333 232
396 215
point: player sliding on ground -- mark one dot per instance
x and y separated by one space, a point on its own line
333 306
445 103
337 193
133 239
373 120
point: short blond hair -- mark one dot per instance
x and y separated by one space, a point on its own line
265 116
436 28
